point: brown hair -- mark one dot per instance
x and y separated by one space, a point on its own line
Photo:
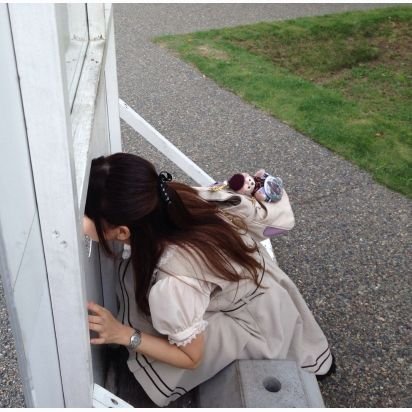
124 190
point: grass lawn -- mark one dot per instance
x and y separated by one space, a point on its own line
345 80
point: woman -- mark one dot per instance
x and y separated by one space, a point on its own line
198 291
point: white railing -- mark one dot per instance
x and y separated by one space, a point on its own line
155 138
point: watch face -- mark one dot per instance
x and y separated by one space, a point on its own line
135 341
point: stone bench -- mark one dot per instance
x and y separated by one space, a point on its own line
261 384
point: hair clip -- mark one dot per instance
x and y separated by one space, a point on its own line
163 178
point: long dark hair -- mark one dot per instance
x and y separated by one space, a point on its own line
124 191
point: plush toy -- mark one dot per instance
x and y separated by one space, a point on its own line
262 185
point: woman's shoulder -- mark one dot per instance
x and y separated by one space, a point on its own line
180 261
175 271
182 264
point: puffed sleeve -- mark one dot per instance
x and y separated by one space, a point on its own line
177 306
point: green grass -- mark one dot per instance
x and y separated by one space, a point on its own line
345 80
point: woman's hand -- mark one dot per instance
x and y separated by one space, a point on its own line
110 330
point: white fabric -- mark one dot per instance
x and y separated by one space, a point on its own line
178 305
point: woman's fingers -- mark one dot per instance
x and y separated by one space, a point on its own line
94 307
97 341
95 327
103 323
95 319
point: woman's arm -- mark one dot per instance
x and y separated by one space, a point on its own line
110 330
186 357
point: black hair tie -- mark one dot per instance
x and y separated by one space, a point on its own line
163 178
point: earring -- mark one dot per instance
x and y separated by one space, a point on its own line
90 247
89 243
127 251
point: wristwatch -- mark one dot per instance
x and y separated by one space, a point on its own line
135 340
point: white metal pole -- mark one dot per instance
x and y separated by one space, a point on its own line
163 145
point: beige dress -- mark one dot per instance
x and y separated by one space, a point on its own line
239 321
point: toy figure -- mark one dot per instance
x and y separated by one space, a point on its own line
262 185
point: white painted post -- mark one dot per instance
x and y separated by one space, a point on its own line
97 26
77 21
77 38
83 116
47 115
112 91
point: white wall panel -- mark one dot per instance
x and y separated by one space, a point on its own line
23 266
43 357
17 204
31 283
43 86
45 156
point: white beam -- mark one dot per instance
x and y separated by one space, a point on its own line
155 138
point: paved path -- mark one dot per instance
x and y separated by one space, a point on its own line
11 391
348 250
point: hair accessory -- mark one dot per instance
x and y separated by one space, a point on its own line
163 178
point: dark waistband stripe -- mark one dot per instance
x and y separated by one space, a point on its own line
317 359
243 304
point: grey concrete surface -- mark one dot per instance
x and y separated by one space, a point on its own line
261 384
349 253
349 250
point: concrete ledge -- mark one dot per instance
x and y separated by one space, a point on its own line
261 384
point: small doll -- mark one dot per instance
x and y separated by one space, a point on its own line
262 185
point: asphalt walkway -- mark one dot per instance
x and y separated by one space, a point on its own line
349 251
